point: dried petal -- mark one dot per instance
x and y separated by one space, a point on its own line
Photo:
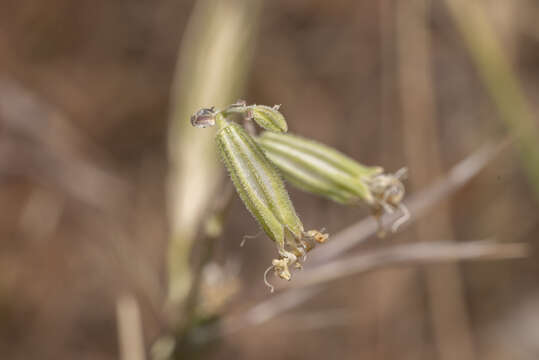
203 118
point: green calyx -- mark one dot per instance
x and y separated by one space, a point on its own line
322 170
307 166
258 183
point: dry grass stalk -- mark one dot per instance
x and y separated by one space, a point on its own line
449 314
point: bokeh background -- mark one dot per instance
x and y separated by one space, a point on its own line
89 95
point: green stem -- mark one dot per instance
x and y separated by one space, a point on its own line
500 81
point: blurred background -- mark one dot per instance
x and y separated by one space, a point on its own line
104 182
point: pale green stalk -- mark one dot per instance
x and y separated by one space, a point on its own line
212 67
500 81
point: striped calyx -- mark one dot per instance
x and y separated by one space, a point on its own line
322 170
262 190
257 183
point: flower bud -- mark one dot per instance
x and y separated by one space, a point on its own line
268 118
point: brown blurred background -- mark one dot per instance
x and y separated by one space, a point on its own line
84 106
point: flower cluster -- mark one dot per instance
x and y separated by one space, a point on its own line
255 165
